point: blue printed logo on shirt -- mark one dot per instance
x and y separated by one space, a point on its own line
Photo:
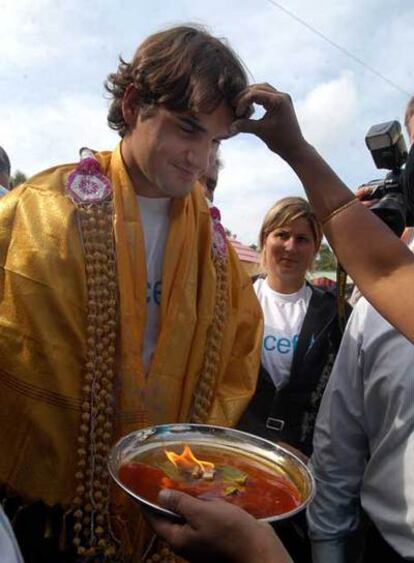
154 292
280 344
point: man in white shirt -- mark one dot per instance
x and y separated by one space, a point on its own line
150 318
4 172
210 178
363 441
364 446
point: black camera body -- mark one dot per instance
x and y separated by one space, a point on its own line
395 205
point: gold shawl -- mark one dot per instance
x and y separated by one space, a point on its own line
43 327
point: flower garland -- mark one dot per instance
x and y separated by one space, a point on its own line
204 393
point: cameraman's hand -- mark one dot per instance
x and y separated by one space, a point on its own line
278 128
216 531
364 191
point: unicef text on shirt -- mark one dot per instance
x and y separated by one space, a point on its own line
154 292
281 345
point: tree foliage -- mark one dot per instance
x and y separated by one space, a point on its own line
17 179
325 259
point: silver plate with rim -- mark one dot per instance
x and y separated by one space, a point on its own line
135 445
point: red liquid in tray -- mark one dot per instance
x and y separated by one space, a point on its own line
260 491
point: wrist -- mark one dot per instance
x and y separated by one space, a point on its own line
300 154
265 548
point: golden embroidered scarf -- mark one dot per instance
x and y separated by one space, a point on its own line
43 327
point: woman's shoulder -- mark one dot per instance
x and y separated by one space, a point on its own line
259 282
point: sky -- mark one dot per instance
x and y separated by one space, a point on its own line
55 56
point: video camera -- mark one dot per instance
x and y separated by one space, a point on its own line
395 192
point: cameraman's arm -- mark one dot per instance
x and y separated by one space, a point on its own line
380 265
374 257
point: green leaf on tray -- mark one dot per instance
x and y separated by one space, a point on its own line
170 470
232 475
231 490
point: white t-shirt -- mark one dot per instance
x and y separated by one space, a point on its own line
155 219
283 319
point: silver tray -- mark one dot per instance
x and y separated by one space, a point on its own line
137 443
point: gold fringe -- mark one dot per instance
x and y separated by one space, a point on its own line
204 393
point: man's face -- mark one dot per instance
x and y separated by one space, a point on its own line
166 152
4 180
410 129
209 180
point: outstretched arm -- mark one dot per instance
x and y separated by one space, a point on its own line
374 257
216 531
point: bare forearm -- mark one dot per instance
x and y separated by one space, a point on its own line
378 262
325 190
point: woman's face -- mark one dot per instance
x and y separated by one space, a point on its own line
289 251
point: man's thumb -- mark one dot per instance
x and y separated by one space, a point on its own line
178 502
244 126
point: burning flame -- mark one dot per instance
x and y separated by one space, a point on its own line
188 461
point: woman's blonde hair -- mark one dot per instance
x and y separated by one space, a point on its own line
286 211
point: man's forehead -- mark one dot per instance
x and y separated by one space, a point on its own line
217 122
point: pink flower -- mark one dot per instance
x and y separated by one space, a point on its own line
219 239
215 213
88 166
86 184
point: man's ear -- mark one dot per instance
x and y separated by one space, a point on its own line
130 107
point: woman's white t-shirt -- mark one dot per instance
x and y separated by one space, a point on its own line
283 320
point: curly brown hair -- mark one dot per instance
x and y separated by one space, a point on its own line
183 68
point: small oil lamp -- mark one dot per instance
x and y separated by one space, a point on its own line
188 463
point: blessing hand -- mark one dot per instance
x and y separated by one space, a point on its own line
278 128
216 531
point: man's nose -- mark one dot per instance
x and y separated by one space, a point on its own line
198 157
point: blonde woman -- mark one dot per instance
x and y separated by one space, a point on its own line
300 341
301 334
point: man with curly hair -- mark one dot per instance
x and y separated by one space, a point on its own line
123 304
4 172
210 177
